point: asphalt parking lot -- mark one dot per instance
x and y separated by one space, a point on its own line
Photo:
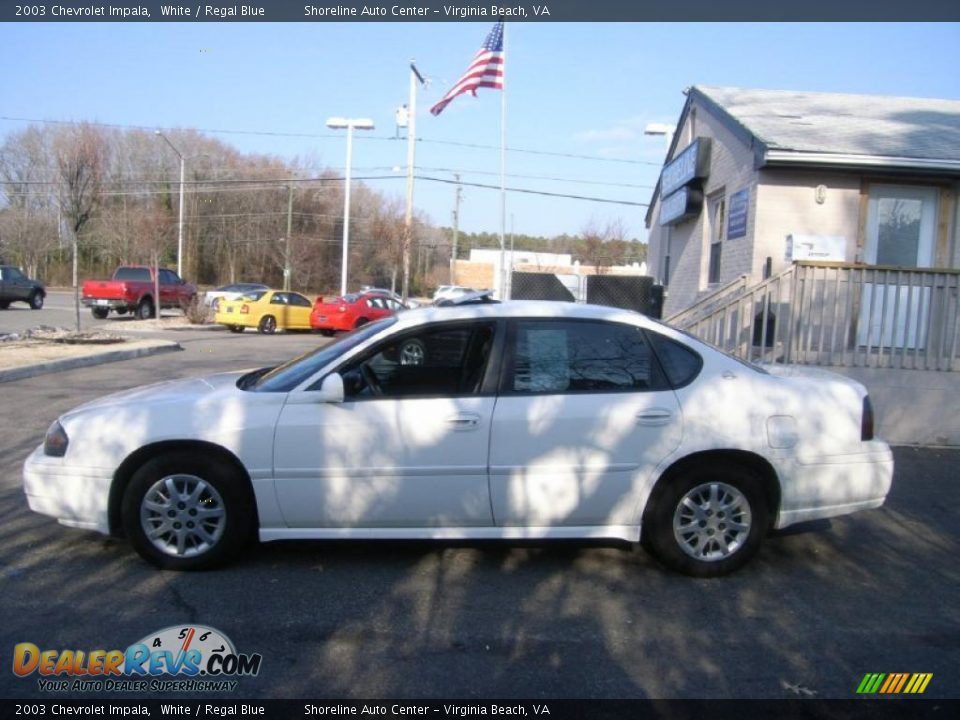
818 609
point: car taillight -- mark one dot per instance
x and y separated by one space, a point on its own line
244 309
866 420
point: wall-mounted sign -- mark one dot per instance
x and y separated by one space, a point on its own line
682 205
816 247
738 213
691 164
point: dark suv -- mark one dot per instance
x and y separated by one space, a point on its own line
17 287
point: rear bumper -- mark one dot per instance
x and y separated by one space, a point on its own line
109 303
331 322
817 488
76 497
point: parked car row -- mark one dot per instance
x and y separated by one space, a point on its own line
270 310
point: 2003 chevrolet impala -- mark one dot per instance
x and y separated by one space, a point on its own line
513 420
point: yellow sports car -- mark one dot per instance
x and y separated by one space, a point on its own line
266 310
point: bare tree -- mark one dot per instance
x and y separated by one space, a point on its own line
81 158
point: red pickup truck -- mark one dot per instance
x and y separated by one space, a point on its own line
133 289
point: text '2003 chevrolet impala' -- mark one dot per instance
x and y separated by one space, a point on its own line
488 421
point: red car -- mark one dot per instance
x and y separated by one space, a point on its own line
351 311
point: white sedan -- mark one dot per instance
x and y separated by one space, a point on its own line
514 420
234 291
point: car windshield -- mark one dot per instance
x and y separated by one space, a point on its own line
286 377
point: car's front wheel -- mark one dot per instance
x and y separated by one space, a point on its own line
183 512
707 521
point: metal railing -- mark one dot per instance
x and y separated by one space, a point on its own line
842 315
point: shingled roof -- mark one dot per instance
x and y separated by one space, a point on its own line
813 129
838 124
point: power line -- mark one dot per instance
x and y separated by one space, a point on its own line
268 133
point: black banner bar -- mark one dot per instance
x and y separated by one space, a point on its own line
473 11
487 709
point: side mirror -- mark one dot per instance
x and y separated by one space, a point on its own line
331 389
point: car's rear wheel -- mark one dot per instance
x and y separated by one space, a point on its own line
100 313
268 325
145 309
707 521
184 512
36 300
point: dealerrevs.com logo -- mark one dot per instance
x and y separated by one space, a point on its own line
198 657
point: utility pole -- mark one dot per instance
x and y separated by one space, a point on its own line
415 77
286 240
456 230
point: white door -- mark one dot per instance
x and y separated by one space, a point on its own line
901 232
409 446
582 420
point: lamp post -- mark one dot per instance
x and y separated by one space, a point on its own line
339 123
661 129
180 220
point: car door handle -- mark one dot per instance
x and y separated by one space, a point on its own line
654 416
465 421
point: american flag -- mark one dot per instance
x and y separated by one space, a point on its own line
486 70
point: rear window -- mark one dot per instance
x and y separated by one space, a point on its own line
134 274
680 364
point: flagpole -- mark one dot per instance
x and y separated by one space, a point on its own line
504 290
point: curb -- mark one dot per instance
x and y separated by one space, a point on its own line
28 371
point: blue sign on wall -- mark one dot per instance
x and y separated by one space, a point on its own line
738 213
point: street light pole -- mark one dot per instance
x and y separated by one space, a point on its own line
180 218
348 123
415 76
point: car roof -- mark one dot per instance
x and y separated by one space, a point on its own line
520 308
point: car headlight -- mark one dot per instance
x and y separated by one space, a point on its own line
55 442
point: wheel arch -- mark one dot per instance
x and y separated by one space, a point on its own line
124 473
751 461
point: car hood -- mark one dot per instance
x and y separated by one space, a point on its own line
168 392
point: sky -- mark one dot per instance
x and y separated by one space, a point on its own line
578 96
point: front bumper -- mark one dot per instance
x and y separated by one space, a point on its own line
76 497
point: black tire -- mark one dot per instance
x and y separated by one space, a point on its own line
223 498
236 328
36 300
268 325
4 304
145 309
100 313
706 521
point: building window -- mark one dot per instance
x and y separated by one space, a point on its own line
718 213
667 237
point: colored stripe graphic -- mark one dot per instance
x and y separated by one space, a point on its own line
894 683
